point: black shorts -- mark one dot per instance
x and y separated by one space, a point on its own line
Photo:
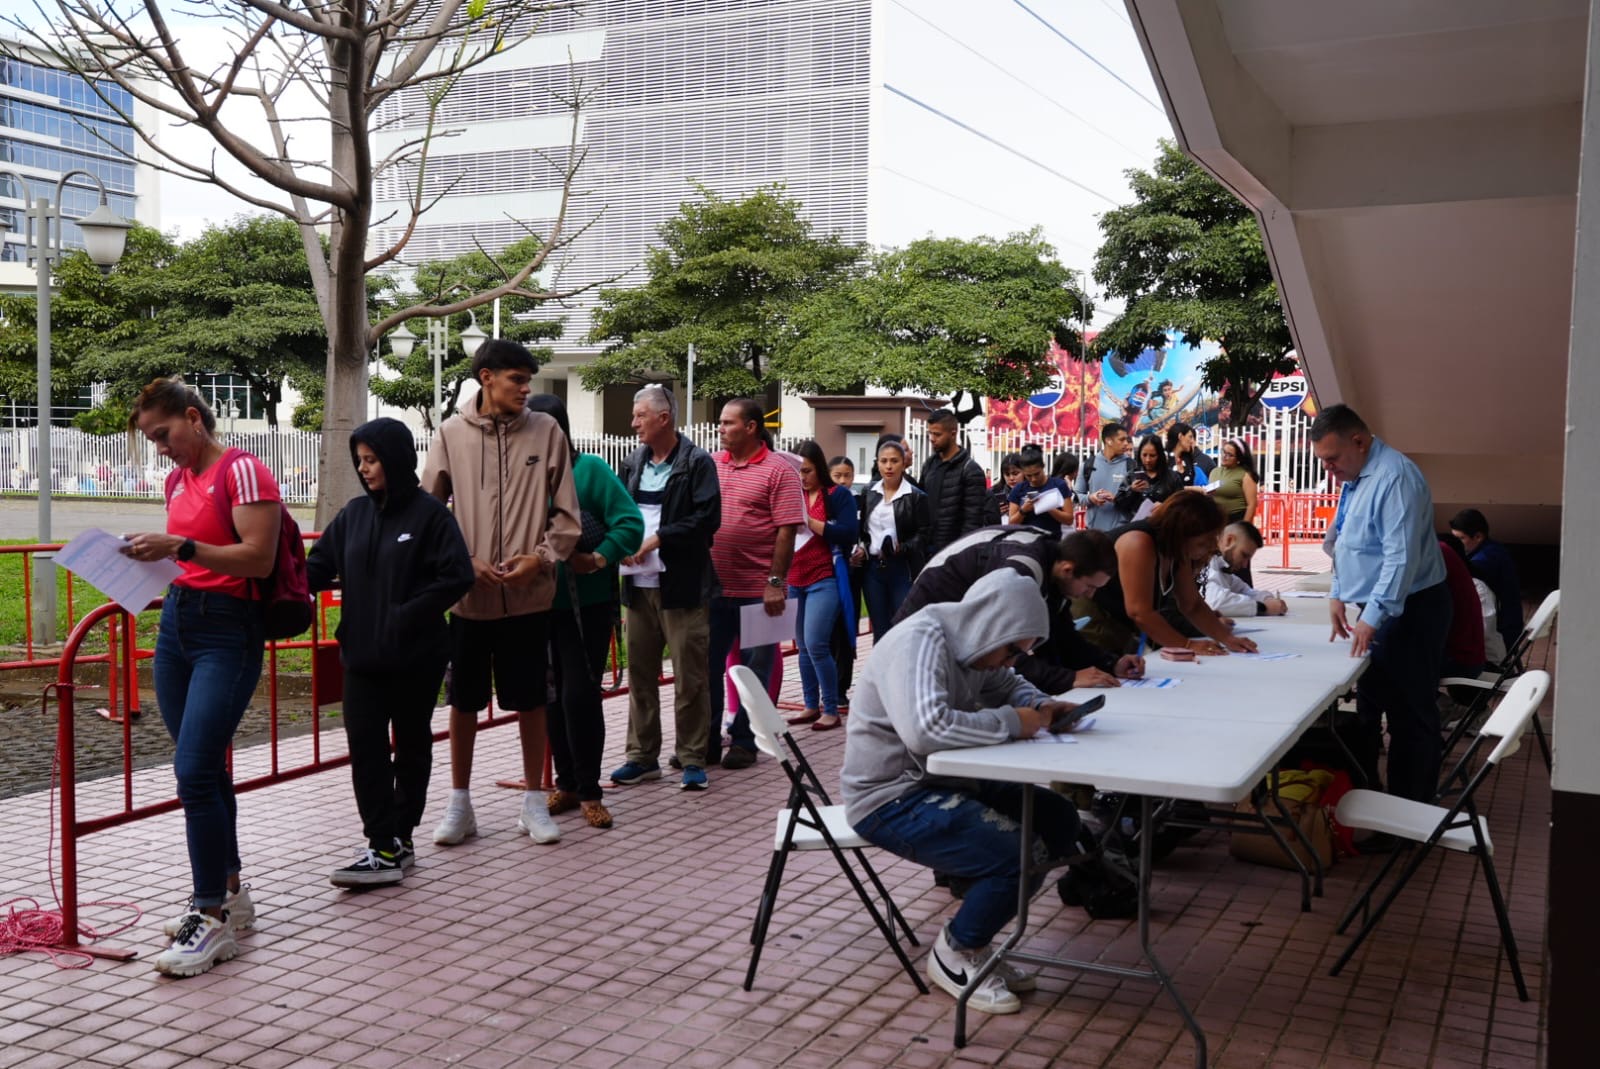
512 650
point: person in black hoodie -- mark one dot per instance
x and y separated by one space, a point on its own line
401 561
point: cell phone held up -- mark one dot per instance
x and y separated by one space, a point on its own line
1068 720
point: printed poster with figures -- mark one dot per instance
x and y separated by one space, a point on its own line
1147 394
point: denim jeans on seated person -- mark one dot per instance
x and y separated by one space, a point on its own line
815 617
974 832
207 665
724 633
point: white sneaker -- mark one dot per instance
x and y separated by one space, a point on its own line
240 910
952 970
201 942
459 823
536 820
1018 981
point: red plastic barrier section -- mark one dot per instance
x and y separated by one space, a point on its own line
1290 519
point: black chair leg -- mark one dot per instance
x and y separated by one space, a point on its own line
1364 903
883 892
769 900
877 917
1383 907
1500 914
1544 744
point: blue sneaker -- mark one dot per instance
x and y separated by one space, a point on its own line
694 779
631 772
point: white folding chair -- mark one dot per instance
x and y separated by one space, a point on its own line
1458 827
804 824
1498 678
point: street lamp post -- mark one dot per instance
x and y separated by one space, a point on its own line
104 235
402 343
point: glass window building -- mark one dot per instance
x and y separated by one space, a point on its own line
728 94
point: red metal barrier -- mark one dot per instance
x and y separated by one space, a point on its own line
1291 519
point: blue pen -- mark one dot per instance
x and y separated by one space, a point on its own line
1143 638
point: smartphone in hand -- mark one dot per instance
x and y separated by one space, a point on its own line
1066 721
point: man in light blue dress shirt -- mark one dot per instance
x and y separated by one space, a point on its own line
1387 563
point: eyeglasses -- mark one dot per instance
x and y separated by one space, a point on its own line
1013 651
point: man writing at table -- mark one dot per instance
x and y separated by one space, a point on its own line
1386 561
942 680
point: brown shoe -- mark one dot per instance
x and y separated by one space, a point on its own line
597 815
807 717
559 802
823 724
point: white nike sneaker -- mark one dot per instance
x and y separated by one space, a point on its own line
952 969
536 820
459 823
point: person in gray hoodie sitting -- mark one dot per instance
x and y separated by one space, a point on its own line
942 680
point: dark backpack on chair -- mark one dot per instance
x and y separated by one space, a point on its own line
285 593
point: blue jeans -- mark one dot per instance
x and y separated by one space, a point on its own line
817 613
973 831
724 633
885 585
207 664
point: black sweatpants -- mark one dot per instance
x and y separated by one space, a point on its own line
577 723
390 792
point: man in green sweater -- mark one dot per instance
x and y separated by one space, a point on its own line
612 529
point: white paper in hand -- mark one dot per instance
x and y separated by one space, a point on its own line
757 629
1049 499
649 564
96 558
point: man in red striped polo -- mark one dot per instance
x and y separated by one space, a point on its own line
762 506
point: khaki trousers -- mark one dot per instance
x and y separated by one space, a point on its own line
651 630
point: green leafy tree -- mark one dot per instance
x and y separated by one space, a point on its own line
90 313
1187 255
236 300
725 278
409 382
967 318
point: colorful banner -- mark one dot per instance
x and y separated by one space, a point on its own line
1069 407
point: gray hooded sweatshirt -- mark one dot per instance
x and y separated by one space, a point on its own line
919 694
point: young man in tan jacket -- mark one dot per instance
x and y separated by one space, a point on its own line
509 472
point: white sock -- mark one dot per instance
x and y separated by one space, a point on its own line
461 795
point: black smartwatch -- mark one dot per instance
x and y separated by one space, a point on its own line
186 551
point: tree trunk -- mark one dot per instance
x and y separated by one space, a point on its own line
344 403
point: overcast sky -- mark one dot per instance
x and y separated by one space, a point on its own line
989 65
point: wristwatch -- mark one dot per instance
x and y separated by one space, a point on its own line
777 581
186 550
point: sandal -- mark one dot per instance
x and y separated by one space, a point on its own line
596 814
807 717
558 802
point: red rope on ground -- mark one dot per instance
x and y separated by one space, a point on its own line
36 930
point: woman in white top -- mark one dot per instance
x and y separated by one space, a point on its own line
894 522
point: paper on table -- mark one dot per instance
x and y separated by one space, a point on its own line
1247 630
96 558
649 564
1046 737
1157 683
1050 499
1266 656
756 628
1302 593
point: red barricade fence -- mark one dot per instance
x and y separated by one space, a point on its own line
1296 519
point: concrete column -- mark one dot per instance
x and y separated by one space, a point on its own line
1574 924
583 406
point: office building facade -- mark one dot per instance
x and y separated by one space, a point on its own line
678 94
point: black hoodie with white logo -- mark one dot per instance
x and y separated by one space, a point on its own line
399 558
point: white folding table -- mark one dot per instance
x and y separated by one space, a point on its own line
1212 739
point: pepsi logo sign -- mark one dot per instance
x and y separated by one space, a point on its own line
1051 394
1287 392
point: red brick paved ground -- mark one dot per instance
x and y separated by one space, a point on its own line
628 947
